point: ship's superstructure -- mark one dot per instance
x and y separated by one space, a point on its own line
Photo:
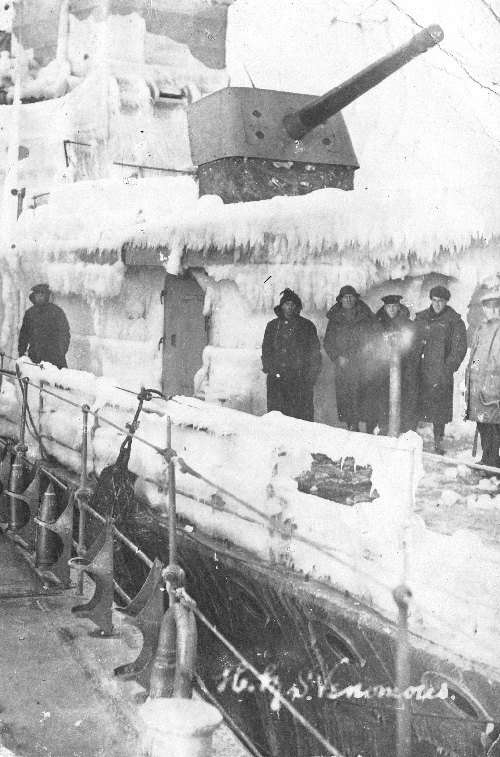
169 284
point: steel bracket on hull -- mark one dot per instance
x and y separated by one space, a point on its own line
56 535
97 562
147 610
24 507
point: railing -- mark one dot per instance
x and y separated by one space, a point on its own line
401 595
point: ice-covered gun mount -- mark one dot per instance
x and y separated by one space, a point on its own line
253 144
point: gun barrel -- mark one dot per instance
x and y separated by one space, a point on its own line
299 123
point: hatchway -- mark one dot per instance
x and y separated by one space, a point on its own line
185 333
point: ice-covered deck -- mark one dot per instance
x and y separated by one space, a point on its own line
455 577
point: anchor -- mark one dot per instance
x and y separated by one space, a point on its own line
54 536
97 562
146 609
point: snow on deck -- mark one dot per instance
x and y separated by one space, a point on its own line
249 495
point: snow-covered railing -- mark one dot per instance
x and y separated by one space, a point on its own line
245 492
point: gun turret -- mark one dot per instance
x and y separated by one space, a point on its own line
253 144
303 120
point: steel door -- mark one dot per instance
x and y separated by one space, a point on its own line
185 333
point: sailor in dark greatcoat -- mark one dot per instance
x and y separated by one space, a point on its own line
394 318
441 342
483 380
45 330
291 358
348 343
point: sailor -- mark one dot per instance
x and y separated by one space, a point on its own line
398 332
291 358
483 380
45 330
441 344
349 341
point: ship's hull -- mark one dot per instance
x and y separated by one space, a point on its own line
315 642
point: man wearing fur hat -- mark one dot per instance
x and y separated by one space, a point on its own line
291 358
349 343
482 380
45 330
441 344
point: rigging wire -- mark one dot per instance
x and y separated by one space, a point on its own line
286 533
263 680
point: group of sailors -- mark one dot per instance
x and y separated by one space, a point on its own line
359 343
431 348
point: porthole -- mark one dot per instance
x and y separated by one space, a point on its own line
461 702
335 642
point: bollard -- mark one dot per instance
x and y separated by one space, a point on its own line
177 728
54 536
98 564
147 610
174 664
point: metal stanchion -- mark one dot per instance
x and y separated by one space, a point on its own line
395 384
82 496
173 667
2 357
172 535
40 412
402 597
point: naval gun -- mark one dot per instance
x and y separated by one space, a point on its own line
253 144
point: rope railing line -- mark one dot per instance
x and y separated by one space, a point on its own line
429 455
193 472
273 524
309 542
265 684
96 414
286 533
188 469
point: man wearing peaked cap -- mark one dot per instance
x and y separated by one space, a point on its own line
482 380
291 358
45 330
441 344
